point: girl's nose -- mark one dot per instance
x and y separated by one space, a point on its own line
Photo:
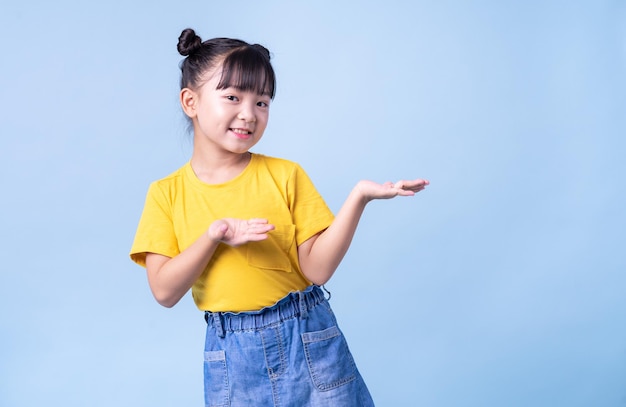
247 114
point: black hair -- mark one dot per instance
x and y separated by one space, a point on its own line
245 66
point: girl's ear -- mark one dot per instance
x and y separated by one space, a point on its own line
188 102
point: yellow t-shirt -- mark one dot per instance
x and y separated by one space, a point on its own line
180 208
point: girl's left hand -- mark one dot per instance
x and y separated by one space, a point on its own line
371 190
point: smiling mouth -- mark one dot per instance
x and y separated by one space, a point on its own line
243 133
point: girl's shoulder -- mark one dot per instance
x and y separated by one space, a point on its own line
276 163
171 180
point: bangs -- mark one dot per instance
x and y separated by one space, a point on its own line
247 69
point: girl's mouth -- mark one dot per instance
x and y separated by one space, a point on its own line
241 133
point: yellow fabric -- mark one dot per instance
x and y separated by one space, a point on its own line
180 207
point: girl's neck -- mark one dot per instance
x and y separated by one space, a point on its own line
218 170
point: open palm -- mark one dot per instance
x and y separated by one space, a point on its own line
235 232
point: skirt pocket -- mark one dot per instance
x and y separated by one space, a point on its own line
328 357
215 379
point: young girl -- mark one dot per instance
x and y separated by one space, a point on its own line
253 239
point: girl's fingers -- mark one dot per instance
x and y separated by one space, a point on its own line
414 185
257 225
257 221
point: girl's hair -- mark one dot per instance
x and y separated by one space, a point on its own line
245 66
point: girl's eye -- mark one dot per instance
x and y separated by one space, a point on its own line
262 104
232 98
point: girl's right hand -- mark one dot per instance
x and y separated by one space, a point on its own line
235 232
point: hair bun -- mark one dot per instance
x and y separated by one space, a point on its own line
188 42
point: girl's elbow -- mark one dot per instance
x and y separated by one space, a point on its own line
165 299
318 277
319 281
167 304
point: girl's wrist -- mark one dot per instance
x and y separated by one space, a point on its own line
215 232
360 193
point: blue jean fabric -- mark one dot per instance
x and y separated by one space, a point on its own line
290 354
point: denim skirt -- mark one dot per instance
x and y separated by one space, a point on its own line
289 354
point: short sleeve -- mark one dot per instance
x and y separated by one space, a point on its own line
155 232
310 213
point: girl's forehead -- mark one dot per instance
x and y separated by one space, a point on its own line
212 74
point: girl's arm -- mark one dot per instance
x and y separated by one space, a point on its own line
171 277
320 255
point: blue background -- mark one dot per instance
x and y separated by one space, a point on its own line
502 284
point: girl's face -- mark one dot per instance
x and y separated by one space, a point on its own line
226 120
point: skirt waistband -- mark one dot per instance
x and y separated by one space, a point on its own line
295 304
